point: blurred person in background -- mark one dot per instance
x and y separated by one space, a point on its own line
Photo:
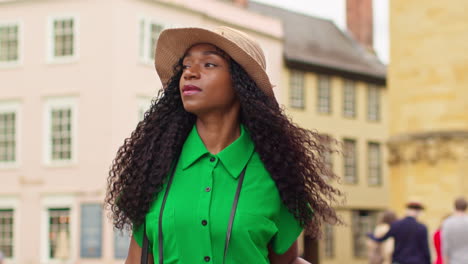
410 236
215 122
437 239
381 253
1 257
455 235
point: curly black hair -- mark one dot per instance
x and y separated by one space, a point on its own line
294 156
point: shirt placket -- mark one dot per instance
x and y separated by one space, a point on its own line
204 211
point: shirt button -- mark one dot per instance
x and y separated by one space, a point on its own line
212 159
204 222
207 259
207 189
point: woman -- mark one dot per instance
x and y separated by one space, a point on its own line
381 253
216 122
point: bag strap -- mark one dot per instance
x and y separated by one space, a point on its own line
160 233
144 252
233 213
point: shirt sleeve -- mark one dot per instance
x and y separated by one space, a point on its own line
288 231
389 234
138 234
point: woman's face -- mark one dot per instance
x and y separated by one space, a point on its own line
205 84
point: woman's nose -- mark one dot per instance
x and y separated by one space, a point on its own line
192 72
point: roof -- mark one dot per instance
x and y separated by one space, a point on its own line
319 45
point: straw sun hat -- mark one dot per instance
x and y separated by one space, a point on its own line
173 43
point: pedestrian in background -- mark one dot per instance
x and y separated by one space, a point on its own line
455 235
411 238
1 257
381 253
437 239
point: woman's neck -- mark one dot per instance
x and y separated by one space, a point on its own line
218 131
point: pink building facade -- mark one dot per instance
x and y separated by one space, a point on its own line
75 78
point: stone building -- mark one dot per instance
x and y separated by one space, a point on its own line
428 92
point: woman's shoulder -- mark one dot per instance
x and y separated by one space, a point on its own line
257 167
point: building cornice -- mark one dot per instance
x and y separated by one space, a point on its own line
430 147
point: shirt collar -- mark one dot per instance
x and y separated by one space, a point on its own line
234 157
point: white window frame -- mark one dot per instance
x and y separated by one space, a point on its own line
144 104
50 104
144 37
7 107
50 45
58 201
13 203
19 61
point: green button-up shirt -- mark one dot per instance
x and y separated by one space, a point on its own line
199 203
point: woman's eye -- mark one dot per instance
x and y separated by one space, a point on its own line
185 67
210 65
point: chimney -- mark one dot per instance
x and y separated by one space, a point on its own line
359 21
241 3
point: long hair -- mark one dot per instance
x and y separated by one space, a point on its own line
293 156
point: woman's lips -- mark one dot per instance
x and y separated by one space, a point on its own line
190 90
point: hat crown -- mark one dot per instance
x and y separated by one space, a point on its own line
244 42
173 44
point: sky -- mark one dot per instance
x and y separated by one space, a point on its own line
335 10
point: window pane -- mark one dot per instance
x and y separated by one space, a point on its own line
155 30
296 89
142 38
374 164
329 241
61 137
9 43
63 37
6 232
121 243
328 152
324 94
363 223
350 161
349 99
59 233
7 137
91 231
373 103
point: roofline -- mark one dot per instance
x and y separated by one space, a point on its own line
180 5
323 69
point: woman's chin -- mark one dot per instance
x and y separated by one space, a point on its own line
192 108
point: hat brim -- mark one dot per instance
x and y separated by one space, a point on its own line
173 43
415 205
